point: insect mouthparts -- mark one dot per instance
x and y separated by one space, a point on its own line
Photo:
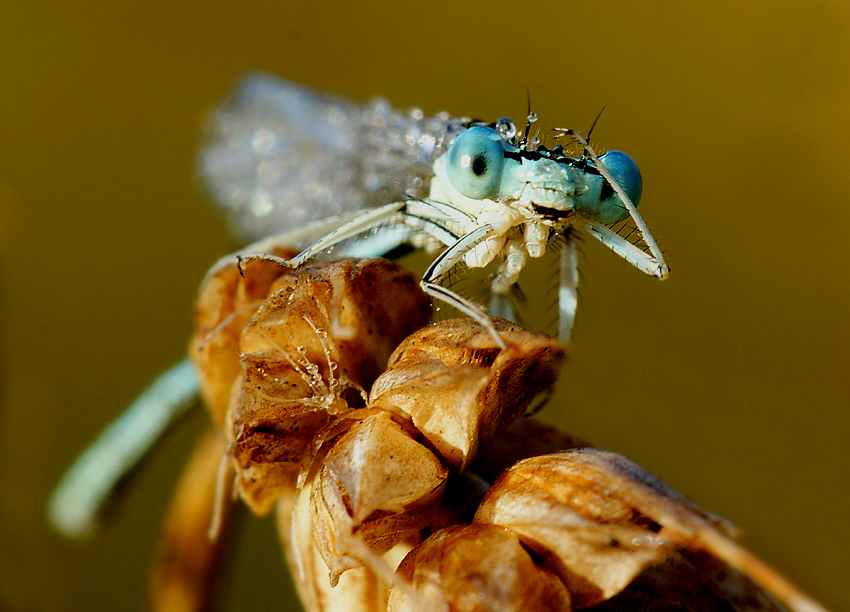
552 214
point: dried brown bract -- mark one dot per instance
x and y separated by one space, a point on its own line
377 487
460 389
226 300
594 517
298 375
476 568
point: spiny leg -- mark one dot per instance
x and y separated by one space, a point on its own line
443 264
343 229
436 211
434 219
645 262
360 224
438 220
657 258
568 289
294 239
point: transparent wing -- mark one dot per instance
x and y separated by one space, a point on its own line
278 155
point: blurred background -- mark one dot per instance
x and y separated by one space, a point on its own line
730 381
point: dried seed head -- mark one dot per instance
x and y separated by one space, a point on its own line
578 528
476 568
298 376
460 389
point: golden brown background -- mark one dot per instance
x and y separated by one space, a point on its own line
731 381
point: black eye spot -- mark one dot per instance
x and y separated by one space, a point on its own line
479 165
606 192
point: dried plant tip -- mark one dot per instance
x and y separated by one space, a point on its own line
460 389
476 568
380 468
596 543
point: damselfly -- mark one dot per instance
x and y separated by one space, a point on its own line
279 157
312 171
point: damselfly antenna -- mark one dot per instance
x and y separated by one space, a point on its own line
593 125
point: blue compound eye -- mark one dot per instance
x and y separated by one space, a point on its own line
475 161
625 171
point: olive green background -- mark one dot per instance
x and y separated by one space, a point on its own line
730 381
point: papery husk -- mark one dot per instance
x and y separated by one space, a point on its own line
599 520
299 376
376 484
361 589
460 389
476 568
382 468
226 300
595 542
